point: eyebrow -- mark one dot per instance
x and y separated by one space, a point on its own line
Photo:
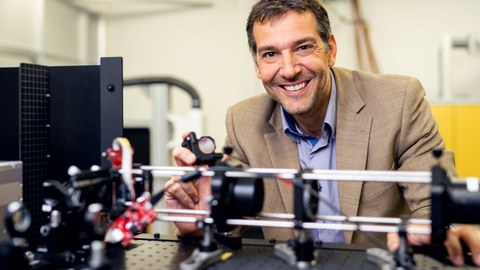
304 40
296 43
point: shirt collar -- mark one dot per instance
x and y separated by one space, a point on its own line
290 126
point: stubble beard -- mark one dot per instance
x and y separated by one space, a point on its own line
313 103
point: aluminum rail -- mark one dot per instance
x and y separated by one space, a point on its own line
354 219
183 219
327 226
305 225
339 175
183 212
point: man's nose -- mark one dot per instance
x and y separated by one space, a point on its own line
290 67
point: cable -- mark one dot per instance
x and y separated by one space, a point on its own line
362 38
124 145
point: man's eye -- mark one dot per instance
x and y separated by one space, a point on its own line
305 49
268 55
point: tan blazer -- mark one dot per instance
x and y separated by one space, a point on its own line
383 123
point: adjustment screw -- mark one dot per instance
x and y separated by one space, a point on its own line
210 200
111 87
437 153
227 150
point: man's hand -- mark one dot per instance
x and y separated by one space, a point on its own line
471 236
468 233
189 195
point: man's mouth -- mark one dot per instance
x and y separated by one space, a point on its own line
295 87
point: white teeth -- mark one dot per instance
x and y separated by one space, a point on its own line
295 87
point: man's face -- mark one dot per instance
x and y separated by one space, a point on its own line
293 62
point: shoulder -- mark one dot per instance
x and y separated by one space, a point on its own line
374 84
380 91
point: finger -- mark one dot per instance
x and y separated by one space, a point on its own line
191 191
393 241
170 182
176 194
418 239
183 156
471 236
454 248
204 189
185 135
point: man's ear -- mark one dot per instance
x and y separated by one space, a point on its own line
332 50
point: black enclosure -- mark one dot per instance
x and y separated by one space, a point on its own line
52 117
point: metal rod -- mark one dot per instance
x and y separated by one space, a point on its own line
184 219
260 223
277 215
326 226
196 100
371 176
355 219
305 225
183 211
177 219
175 171
382 220
339 175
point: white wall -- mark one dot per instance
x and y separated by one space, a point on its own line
18 21
48 32
407 35
207 47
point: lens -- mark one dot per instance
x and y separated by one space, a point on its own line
18 218
236 198
206 145
248 195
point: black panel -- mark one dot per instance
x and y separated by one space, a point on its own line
86 116
111 101
35 139
9 114
140 140
75 114
54 117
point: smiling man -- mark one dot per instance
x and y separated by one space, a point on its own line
317 116
295 69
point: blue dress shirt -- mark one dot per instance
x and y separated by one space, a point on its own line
320 153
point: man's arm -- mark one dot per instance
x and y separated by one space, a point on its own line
419 136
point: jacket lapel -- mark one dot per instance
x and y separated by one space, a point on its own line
352 135
284 154
352 138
